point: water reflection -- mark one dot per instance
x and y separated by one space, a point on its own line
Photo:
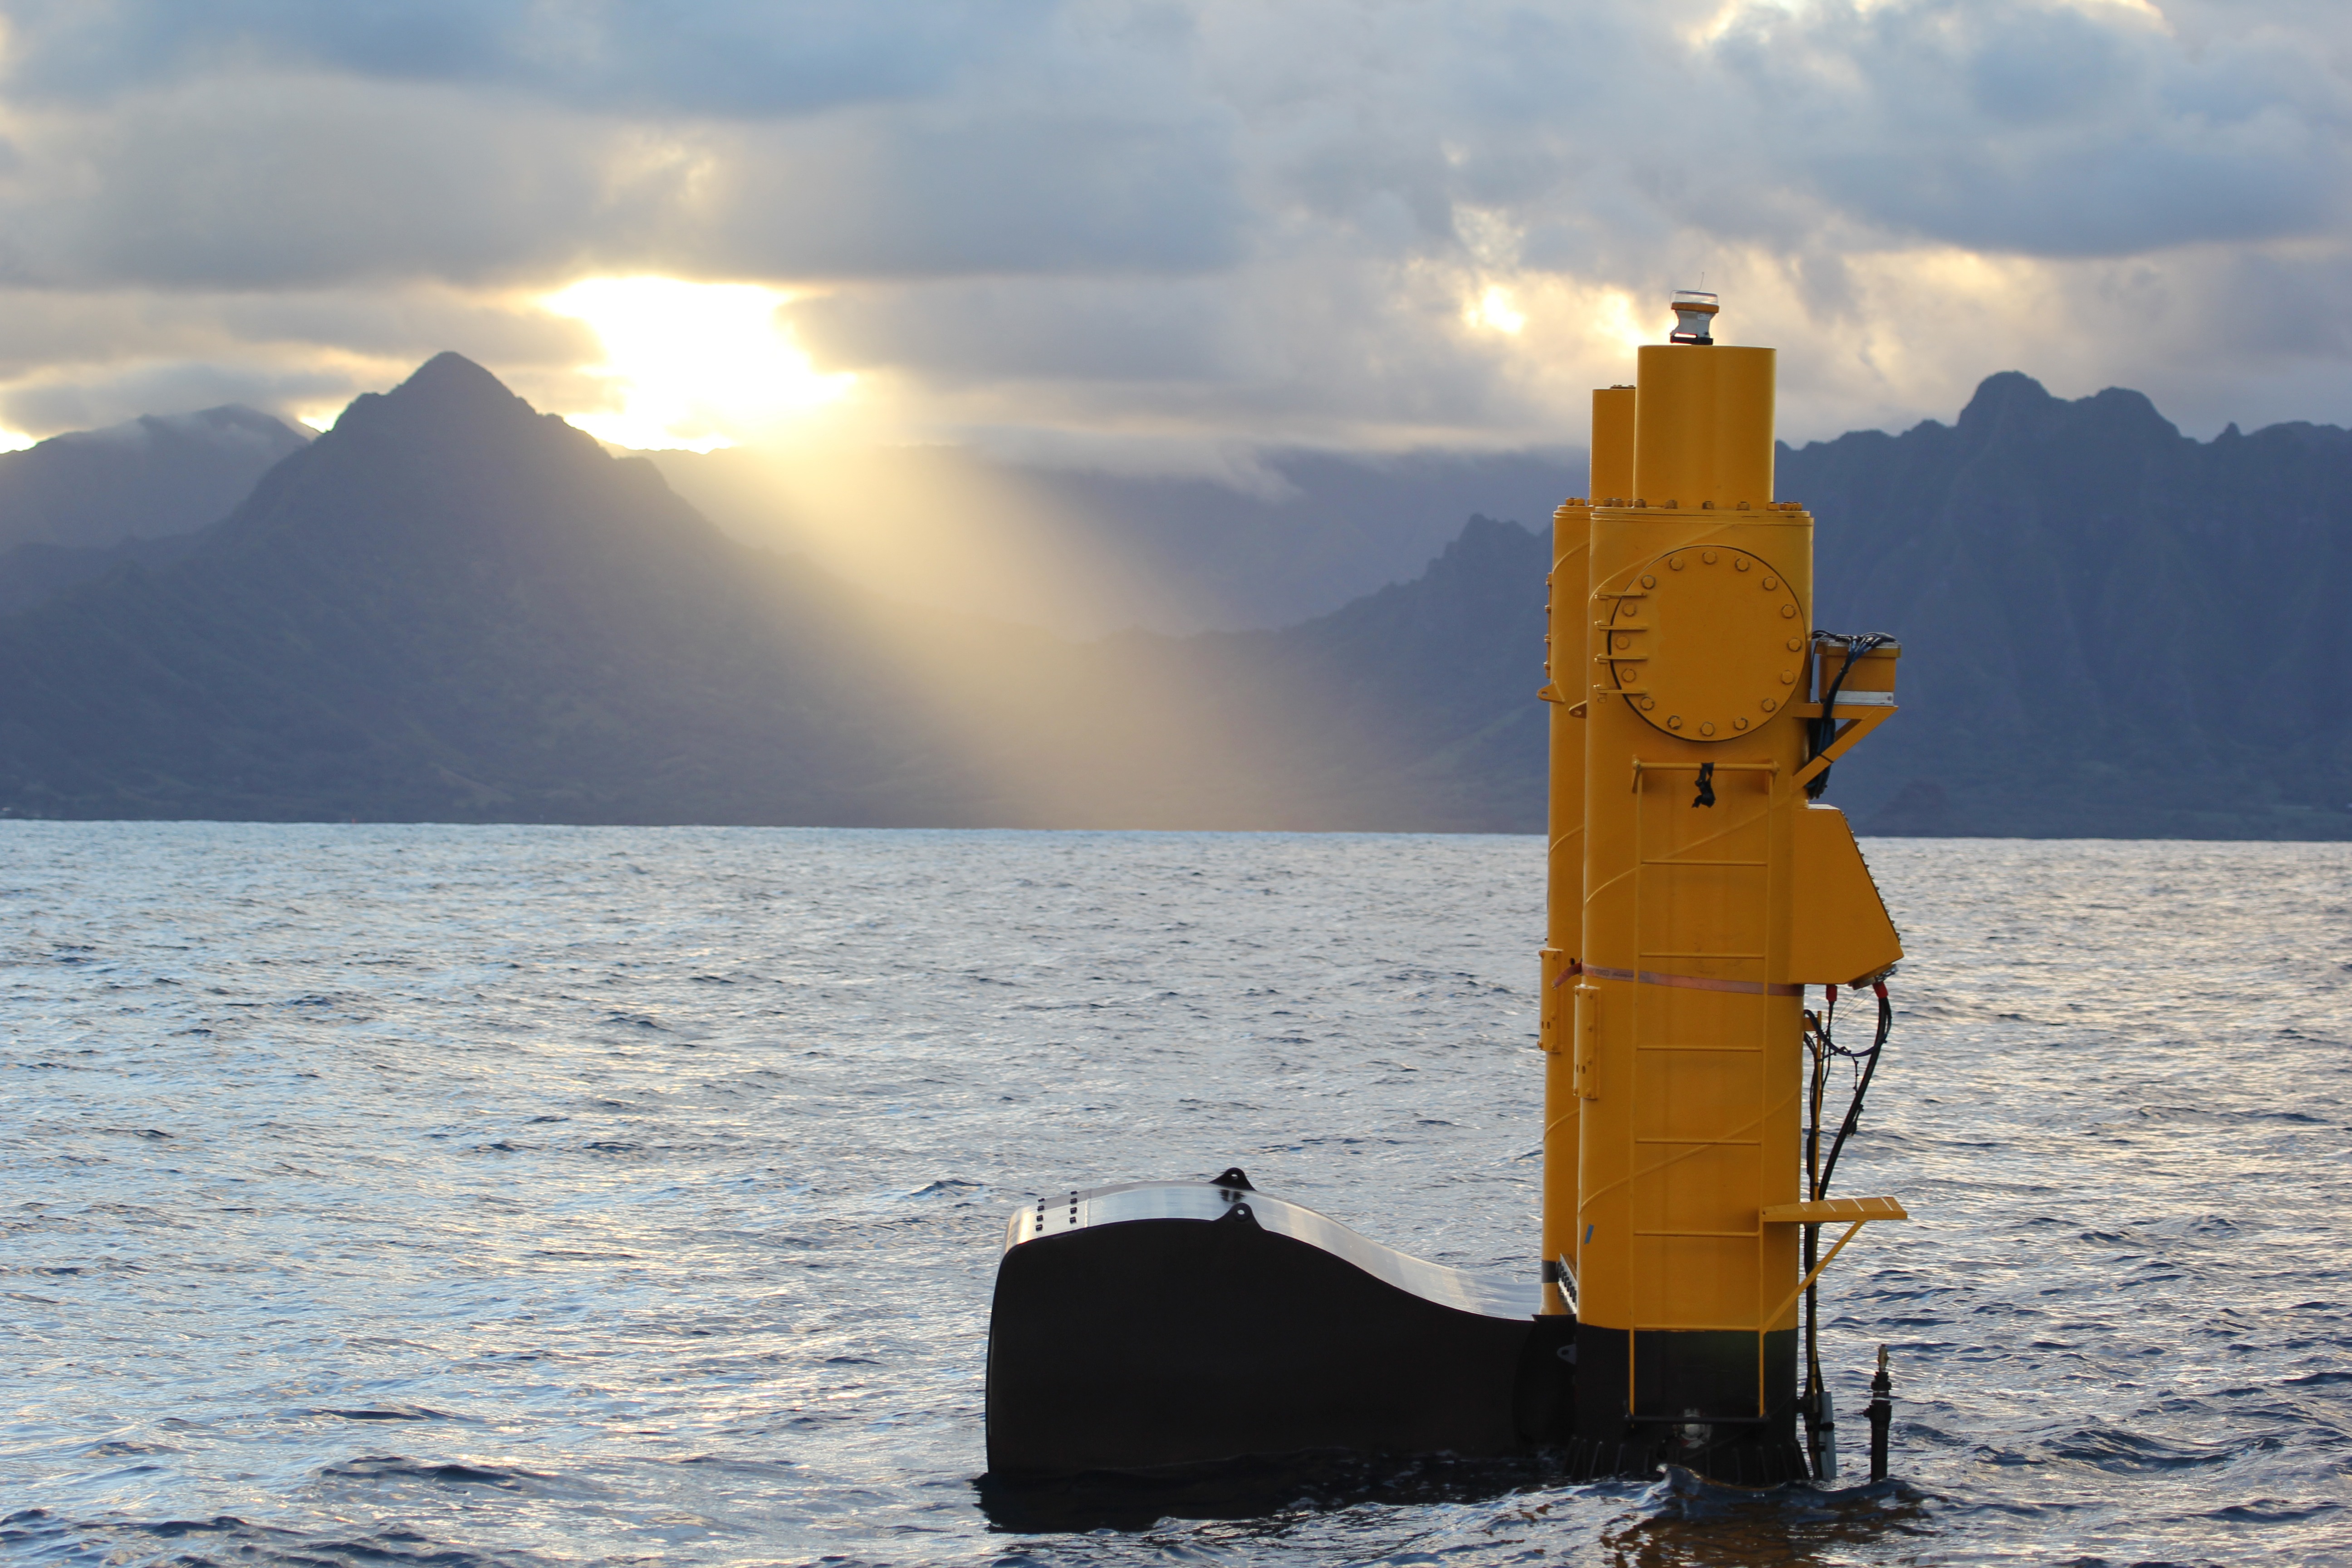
1684 1522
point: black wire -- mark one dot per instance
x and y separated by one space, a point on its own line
1869 1061
1823 1043
1817 1045
1824 728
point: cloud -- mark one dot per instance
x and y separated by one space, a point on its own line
72 360
1217 221
967 331
1071 188
715 57
2043 129
169 388
307 181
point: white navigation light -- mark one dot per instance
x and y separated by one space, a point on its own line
1694 316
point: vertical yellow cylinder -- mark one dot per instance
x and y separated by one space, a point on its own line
1563 887
1612 446
1703 426
1688 1050
1613 466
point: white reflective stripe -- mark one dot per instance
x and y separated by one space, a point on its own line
1485 1294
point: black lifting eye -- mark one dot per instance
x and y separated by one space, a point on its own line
1706 785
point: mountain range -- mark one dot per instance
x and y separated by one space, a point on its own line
75 506
452 607
1291 536
2109 628
144 479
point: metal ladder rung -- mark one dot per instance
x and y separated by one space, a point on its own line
1640 1184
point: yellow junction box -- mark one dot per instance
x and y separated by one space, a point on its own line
1840 933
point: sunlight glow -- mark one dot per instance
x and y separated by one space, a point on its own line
1496 309
16 440
1615 322
692 365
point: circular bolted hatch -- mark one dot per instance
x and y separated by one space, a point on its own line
1712 643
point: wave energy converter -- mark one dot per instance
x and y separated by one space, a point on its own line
1698 886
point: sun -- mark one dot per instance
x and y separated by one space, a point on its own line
1495 310
693 365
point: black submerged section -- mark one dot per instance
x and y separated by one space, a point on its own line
1146 1330
1254 1487
1671 1410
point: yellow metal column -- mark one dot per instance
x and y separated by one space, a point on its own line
1566 683
1689 1039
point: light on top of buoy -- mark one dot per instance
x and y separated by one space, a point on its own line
1694 316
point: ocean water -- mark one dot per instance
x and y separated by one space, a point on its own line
377 1195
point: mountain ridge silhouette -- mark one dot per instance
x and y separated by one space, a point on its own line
451 606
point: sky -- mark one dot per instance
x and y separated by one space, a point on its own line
1166 235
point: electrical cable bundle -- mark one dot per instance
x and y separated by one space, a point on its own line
1824 728
1821 1045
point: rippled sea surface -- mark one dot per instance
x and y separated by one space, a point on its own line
522 1196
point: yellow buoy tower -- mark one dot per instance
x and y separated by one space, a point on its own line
1146 1330
1711 891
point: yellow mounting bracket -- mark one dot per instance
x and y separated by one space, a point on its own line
1829 1211
1855 1212
1860 721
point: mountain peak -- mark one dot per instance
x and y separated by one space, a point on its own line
450 380
2012 403
447 398
2007 392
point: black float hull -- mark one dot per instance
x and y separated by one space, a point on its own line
1153 1332
1164 1343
